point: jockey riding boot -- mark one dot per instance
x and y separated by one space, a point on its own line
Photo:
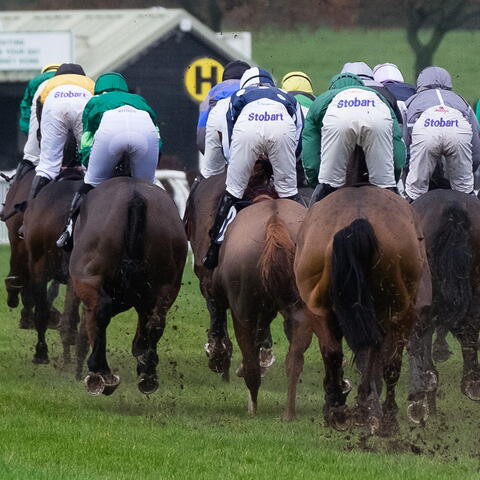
37 184
211 258
22 168
65 239
320 192
394 190
297 198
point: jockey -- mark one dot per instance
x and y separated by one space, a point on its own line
212 137
59 108
28 119
362 70
261 119
230 83
347 115
440 123
299 85
115 122
390 76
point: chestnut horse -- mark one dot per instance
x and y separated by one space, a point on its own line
359 266
254 278
129 251
451 223
199 216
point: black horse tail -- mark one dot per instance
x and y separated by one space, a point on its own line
354 253
276 261
134 240
451 257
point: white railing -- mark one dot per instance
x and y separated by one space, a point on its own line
176 179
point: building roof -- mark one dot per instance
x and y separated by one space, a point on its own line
107 39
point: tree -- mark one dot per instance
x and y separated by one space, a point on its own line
442 16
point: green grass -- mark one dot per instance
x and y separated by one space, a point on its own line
323 52
196 426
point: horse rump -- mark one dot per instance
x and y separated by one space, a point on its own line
451 261
276 261
354 252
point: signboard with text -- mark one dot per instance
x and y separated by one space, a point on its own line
33 50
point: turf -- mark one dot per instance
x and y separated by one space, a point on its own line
323 52
196 426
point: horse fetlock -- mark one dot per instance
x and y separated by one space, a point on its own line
41 354
13 283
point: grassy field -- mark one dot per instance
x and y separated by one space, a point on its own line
322 53
196 426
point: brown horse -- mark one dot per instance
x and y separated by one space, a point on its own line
199 215
43 222
359 266
451 224
129 251
16 282
254 278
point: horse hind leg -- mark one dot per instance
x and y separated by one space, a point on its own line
68 322
150 329
100 379
54 316
27 312
219 346
300 337
246 333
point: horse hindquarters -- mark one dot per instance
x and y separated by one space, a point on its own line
354 252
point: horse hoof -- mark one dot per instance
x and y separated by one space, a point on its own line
472 390
148 384
239 372
26 323
431 381
339 419
208 349
12 300
417 412
374 424
346 386
288 416
94 384
441 354
111 384
266 357
40 360
252 406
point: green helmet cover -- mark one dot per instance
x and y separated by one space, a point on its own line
111 81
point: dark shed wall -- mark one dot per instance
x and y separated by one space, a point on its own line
11 139
158 75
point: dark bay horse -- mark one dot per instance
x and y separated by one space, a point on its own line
359 266
44 220
451 223
254 278
199 216
129 251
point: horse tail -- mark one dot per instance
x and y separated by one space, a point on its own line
354 253
451 257
276 259
131 264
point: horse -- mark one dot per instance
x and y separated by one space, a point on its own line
17 280
451 223
361 267
200 212
129 250
44 220
254 278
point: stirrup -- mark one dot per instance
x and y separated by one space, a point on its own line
66 235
